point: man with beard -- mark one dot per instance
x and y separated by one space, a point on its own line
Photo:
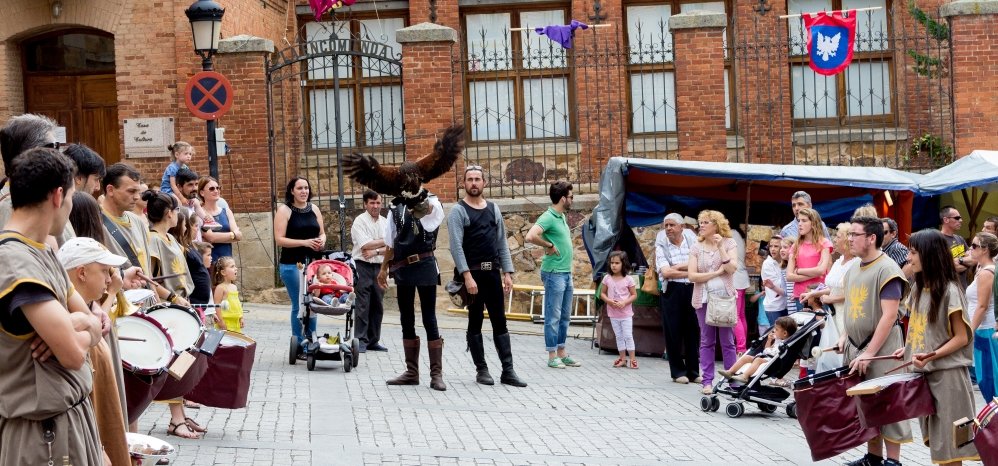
478 246
187 181
551 232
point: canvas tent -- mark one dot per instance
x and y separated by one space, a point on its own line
636 192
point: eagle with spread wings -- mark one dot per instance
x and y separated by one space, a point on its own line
405 181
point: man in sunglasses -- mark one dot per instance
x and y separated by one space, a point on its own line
950 223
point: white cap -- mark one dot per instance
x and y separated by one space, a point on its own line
674 217
81 251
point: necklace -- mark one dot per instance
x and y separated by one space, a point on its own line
301 210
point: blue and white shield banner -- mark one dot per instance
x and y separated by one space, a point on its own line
830 39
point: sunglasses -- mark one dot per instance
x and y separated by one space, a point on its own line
53 145
975 246
957 218
472 168
214 188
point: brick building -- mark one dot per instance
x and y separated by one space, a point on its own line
705 80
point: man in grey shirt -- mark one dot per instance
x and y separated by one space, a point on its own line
481 255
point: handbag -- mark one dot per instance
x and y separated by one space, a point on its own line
722 311
650 284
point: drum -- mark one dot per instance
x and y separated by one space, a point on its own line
828 416
146 351
893 398
141 297
986 434
227 382
187 331
184 324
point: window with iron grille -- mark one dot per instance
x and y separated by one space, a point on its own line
369 89
860 94
651 68
517 83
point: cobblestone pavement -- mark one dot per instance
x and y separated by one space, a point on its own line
593 414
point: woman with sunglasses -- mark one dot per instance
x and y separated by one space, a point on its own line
222 238
981 308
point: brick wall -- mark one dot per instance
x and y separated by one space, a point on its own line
975 97
700 94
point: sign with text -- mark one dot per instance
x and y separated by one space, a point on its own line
148 137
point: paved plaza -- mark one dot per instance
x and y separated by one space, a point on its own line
593 414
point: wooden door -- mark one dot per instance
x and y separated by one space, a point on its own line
87 105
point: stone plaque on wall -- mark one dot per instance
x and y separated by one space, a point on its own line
148 137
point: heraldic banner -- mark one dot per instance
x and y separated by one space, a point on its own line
830 39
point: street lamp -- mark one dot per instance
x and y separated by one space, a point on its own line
206 25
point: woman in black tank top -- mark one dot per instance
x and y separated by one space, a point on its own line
300 234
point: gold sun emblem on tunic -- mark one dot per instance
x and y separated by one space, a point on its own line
176 266
916 330
857 297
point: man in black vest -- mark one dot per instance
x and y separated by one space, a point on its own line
478 245
410 261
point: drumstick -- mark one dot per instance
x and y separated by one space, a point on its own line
161 277
902 366
830 348
879 358
124 338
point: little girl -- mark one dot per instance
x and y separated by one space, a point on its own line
182 154
326 276
225 290
618 293
782 329
786 249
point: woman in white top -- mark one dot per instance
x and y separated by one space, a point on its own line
834 294
983 248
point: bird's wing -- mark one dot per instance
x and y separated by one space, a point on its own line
366 170
445 152
834 43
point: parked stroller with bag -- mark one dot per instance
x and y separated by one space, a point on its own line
327 347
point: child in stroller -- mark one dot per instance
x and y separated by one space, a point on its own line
331 295
331 278
758 355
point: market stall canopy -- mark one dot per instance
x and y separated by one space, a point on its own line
979 169
739 182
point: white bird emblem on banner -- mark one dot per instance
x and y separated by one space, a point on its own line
828 46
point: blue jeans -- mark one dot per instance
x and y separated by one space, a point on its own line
557 308
291 277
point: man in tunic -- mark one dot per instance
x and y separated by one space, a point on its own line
874 289
481 254
411 262
368 234
46 415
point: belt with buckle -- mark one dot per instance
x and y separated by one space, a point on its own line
483 266
410 259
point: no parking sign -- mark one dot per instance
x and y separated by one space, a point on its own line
208 95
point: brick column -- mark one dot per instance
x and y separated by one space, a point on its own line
427 98
245 172
974 44
697 39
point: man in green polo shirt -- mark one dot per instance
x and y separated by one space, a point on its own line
551 232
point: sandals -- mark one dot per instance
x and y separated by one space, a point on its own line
190 435
780 383
634 363
194 426
620 362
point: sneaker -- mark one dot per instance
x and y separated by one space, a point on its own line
891 462
681 379
568 361
869 460
556 363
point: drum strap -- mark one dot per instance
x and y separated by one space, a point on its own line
120 239
866 341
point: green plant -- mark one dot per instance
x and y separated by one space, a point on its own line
926 65
937 151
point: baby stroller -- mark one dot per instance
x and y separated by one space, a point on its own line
768 398
326 347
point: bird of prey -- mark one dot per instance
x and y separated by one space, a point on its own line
405 181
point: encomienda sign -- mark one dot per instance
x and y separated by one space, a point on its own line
334 47
148 137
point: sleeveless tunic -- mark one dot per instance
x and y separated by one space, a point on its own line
411 239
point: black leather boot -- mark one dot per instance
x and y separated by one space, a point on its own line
477 349
508 376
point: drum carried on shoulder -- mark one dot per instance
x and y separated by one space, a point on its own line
827 415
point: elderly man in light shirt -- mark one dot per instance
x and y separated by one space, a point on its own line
368 253
679 319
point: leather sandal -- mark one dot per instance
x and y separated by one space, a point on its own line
620 362
194 426
192 435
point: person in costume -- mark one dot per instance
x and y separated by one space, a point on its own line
874 288
55 424
940 344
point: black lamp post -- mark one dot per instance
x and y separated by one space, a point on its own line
206 25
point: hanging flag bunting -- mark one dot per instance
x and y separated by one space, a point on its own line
562 34
320 7
830 39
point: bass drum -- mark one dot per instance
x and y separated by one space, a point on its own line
187 332
227 382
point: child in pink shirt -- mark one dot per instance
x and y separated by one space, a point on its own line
618 293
